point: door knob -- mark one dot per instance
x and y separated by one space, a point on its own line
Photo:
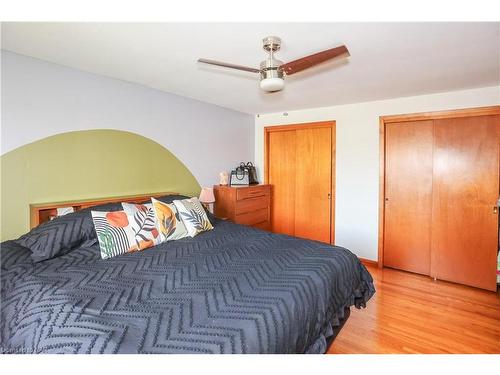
495 209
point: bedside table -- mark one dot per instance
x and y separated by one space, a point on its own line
247 205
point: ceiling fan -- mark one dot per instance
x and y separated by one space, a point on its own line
272 71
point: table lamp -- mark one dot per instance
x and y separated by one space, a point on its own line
207 197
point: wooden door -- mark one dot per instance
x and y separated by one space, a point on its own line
281 175
313 177
299 167
408 195
465 185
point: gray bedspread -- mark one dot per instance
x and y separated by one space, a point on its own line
234 289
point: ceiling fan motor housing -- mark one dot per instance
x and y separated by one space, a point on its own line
271 76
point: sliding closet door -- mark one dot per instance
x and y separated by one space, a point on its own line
299 166
281 175
408 195
466 178
313 178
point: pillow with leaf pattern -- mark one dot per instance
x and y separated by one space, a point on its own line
126 231
143 221
168 221
193 216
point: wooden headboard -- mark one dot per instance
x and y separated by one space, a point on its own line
42 212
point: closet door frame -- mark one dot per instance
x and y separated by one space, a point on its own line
436 115
310 125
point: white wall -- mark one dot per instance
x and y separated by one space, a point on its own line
357 158
40 99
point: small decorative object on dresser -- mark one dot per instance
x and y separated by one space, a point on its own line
223 178
207 197
248 205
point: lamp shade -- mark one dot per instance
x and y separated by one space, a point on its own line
207 195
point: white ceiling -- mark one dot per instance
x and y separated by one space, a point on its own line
387 59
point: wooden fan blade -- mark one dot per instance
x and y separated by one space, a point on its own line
306 62
231 66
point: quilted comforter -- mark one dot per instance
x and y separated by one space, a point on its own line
233 289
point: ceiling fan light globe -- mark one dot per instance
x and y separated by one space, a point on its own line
272 84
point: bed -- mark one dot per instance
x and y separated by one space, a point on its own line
233 289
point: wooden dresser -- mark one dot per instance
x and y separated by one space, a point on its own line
247 205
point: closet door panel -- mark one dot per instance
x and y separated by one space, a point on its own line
408 195
281 175
466 177
313 179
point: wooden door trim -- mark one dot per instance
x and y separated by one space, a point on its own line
436 115
305 125
381 195
308 125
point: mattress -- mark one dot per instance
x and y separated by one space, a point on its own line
234 289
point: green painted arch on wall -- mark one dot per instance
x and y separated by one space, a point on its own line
85 165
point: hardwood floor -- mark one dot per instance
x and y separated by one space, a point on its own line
411 313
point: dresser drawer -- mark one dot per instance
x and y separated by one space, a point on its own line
252 218
252 192
252 204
